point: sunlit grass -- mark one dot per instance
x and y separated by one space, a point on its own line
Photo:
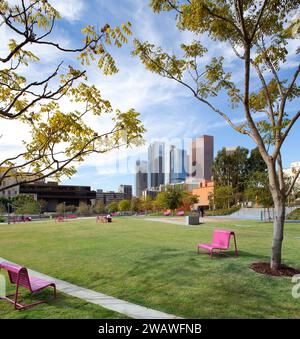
155 265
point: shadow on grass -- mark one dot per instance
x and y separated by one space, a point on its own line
231 255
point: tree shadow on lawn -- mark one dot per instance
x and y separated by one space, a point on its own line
231 255
170 257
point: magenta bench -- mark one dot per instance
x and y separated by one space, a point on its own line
71 216
220 242
19 276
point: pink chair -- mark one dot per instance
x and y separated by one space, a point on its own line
221 242
18 276
180 213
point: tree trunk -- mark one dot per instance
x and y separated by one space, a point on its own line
279 216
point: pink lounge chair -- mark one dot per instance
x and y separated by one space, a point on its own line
180 213
18 276
221 242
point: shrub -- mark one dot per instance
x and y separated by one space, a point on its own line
83 208
295 215
222 211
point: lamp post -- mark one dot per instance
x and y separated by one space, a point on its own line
64 209
9 206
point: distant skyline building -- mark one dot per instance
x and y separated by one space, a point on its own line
111 196
177 165
231 150
126 190
292 170
141 177
156 164
201 157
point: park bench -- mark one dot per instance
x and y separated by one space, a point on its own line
101 218
21 219
220 242
71 216
19 276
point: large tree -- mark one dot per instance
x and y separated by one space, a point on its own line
258 32
230 168
172 197
59 138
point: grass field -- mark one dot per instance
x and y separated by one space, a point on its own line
154 264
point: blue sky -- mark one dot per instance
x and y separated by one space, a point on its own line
168 111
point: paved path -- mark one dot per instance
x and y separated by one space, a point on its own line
129 309
167 221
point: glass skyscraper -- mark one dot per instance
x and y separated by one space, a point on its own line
156 164
178 165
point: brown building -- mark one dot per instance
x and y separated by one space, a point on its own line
55 194
201 158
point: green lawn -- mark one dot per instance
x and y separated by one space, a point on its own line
156 265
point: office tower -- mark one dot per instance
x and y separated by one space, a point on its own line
156 164
177 165
141 177
201 158
126 190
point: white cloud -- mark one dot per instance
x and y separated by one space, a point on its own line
69 9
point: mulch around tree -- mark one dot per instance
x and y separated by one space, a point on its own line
283 271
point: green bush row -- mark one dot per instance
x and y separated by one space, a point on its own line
223 211
295 215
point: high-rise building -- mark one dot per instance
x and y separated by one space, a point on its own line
156 164
201 158
141 177
177 165
126 190
292 171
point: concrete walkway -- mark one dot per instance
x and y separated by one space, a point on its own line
129 309
176 221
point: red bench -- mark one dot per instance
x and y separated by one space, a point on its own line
220 242
21 219
19 276
71 216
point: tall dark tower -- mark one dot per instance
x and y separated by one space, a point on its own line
141 177
156 164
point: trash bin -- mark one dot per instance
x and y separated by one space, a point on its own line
193 218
